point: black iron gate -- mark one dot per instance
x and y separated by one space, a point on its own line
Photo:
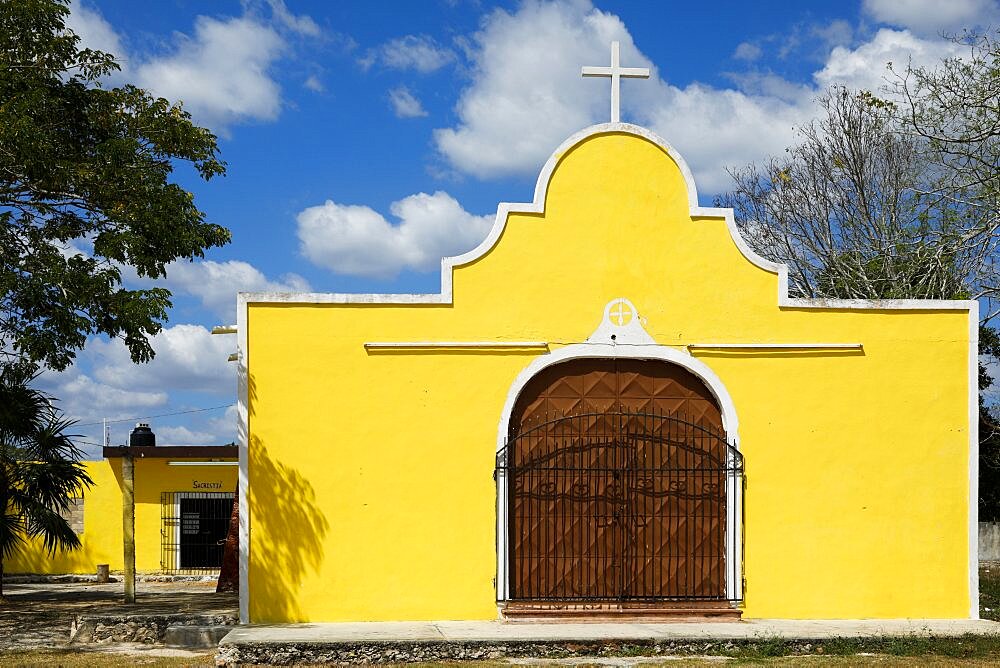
193 530
620 506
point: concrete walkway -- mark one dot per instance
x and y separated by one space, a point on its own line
391 642
408 632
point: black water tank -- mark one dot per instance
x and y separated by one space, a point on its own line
142 435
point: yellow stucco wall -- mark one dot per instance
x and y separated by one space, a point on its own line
102 516
371 494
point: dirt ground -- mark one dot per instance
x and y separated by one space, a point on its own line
39 616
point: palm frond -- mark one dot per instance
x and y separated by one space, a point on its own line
52 483
51 527
12 534
40 471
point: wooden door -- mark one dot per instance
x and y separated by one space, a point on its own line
617 484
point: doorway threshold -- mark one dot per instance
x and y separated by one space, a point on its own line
612 611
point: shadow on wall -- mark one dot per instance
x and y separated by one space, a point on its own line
287 534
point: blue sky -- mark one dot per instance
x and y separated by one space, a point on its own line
366 139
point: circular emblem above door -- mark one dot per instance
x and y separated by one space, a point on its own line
621 324
621 313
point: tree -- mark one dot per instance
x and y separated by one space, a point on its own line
952 111
989 433
85 191
39 467
851 210
868 206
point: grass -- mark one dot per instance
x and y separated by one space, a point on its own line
989 590
85 659
965 647
836 652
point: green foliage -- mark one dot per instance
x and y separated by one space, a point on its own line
39 466
932 277
989 591
85 166
989 433
887 200
768 646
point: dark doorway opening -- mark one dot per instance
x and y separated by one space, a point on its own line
194 530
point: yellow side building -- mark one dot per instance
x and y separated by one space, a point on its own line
183 501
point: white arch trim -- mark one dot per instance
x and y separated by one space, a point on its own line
730 423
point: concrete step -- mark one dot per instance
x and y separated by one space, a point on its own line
194 637
666 611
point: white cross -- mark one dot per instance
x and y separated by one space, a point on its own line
621 314
616 72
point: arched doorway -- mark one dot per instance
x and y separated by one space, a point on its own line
619 488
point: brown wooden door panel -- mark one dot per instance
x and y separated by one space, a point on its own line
617 484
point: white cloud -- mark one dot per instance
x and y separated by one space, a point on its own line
509 123
224 425
359 241
992 393
714 129
314 84
404 104
416 52
865 66
834 33
188 357
76 388
221 74
182 435
190 366
86 400
301 24
93 30
930 17
216 283
747 51
527 94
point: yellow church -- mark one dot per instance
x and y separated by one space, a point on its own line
613 407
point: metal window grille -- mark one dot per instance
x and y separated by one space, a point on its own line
193 530
616 507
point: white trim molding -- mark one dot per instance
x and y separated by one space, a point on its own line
974 461
775 346
207 463
537 206
422 345
243 435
